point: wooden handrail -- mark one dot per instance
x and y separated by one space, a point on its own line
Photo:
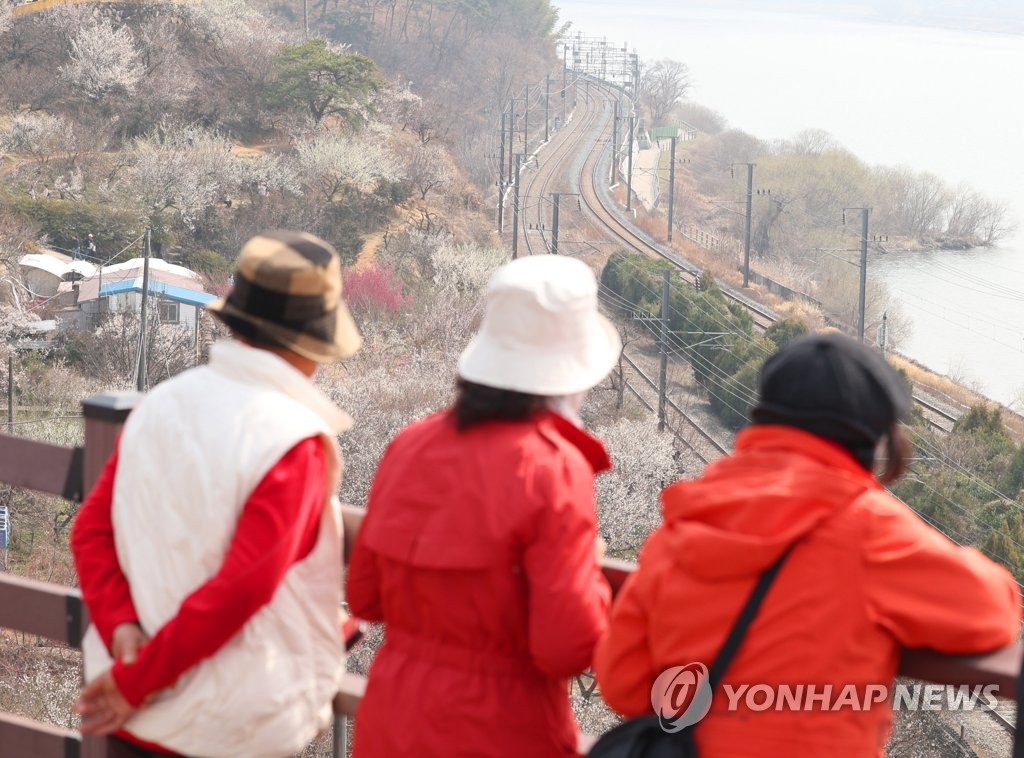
57 613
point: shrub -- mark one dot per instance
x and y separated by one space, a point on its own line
375 289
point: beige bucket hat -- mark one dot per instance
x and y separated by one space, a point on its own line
287 291
541 332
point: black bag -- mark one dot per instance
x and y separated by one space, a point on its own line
644 736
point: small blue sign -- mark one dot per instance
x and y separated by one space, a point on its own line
5 527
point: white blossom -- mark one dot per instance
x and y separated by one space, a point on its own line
264 173
464 268
235 23
34 133
330 164
102 59
187 168
628 496
6 7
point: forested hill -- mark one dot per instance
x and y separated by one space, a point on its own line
208 121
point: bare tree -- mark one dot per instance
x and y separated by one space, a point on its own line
810 142
662 87
429 168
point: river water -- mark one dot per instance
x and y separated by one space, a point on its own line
939 100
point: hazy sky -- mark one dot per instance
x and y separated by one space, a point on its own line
986 15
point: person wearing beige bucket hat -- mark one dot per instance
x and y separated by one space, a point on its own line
487 509
287 292
209 552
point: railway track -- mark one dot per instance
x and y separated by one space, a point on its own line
1005 715
588 133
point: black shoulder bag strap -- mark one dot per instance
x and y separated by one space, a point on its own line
742 623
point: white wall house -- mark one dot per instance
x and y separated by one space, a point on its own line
176 293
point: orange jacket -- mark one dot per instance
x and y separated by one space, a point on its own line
477 553
866 578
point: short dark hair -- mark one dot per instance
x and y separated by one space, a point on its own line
477 403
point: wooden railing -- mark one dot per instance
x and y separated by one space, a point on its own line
57 613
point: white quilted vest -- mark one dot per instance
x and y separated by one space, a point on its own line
189 456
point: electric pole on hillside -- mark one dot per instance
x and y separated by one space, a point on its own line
629 165
10 393
663 345
615 142
515 206
501 178
565 63
555 198
746 231
864 213
305 19
140 374
547 106
511 133
672 186
526 121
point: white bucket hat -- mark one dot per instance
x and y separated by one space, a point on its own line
541 332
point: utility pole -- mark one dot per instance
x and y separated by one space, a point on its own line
746 232
671 186
515 207
547 106
864 213
10 393
141 373
501 179
863 271
615 142
663 345
511 133
565 63
554 223
883 341
629 165
526 121
305 19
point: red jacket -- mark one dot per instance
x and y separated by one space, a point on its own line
477 552
866 578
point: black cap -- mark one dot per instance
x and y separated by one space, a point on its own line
835 387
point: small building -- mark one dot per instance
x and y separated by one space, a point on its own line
176 292
44 273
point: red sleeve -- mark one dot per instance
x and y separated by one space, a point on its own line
278 526
104 586
929 592
362 582
567 591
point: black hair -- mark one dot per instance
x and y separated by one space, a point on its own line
477 404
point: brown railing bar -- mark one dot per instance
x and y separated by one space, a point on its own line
45 610
39 466
25 737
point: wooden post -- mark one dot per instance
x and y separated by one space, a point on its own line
104 416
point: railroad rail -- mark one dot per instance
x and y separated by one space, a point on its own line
1006 722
